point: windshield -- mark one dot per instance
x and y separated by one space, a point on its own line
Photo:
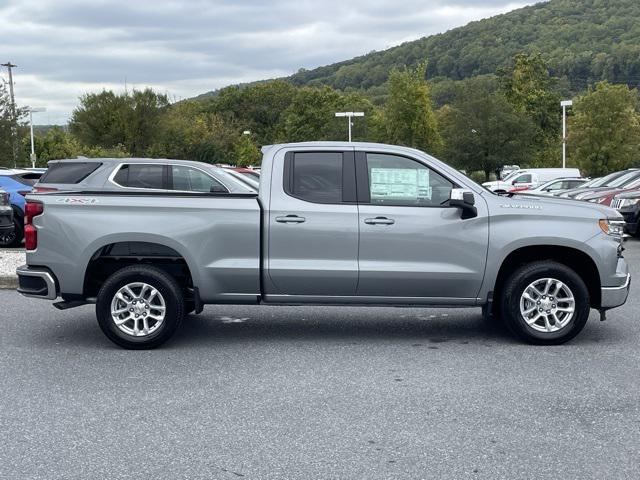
624 179
511 175
595 182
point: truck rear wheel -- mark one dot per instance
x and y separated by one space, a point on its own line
139 307
545 303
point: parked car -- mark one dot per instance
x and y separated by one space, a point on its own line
333 223
608 181
554 186
14 183
131 174
251 181
530 178
507 170
628 204
604 195
6 220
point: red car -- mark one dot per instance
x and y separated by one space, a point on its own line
604 197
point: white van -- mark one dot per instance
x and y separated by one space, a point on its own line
530 178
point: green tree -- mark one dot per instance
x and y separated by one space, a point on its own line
56 143
529 87
408 116
8 126
311 116
483 131
107 119
258 108
246 153
186 131
604 132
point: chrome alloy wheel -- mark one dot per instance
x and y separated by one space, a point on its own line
547 305
138 309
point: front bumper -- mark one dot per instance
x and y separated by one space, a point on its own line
612 297
631 221
37 282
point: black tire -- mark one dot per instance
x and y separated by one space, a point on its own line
515 286
156 278
15 239
19 232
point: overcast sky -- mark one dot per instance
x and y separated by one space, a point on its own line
64 48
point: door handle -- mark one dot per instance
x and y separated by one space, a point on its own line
379 221
290 219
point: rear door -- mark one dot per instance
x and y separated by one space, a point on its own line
313 225
411 244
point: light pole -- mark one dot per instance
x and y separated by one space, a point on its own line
33 150
349 116
564 104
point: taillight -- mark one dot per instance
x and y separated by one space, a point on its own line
30 237
37 189
31 209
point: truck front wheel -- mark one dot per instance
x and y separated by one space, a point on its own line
139 307
545 303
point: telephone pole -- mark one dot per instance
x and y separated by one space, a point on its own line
14 128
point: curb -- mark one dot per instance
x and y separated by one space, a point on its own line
9 282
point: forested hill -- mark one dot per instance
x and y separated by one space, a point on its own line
582 40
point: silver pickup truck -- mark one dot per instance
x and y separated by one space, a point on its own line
333 223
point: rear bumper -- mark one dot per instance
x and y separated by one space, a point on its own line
37 282
6 220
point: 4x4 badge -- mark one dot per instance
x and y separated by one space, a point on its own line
77 200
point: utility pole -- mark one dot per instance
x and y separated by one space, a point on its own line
14 128
349 116
33 149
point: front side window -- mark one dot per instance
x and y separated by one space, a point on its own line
188 179
315 176
526 178
400 181
558 185
134 175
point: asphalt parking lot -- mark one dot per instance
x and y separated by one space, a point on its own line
326 393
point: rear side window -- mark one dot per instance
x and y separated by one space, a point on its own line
189 179
69 172
141 176
315 176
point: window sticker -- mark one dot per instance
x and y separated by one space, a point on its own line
400 184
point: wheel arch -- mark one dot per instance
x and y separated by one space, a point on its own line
578 260
112 253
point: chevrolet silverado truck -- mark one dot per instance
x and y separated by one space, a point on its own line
333 223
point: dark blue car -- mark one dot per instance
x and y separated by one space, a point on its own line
17 184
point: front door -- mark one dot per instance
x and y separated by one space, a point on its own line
313 225
411 243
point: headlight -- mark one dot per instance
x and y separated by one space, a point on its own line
4 199
615 228
627 202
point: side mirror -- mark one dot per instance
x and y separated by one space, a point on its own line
218 189
515 182
464 200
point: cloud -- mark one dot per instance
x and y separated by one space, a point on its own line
65 48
